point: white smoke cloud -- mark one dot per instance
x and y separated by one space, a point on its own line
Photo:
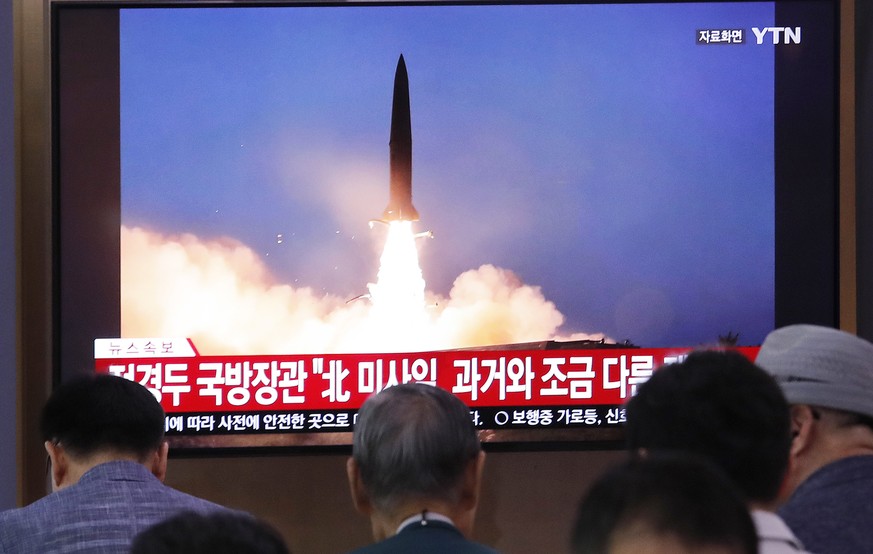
220 294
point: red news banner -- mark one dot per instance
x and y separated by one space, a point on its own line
306 393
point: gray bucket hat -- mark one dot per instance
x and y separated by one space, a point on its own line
820 366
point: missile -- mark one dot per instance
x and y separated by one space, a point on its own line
400 206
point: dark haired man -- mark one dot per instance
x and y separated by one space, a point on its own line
663 504
105 439
415 470
827 377
215 533
721 406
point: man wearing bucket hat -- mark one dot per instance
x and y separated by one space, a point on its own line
827 378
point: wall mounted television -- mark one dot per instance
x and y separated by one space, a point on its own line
600 187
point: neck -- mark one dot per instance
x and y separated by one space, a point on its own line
764 506
831 448
426 517
857 441
386 525
78 468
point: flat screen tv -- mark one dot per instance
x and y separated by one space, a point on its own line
265 212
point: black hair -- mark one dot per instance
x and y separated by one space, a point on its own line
722 406
664 495
214 533
93 413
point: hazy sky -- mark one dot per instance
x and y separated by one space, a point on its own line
596 151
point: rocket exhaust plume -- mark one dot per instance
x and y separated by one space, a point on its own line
400 206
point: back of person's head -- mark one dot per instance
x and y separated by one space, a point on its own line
723 407
413 441
663 504
821 366
215 533
96 413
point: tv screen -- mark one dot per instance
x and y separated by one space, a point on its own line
266 214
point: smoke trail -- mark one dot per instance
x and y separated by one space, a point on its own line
220 294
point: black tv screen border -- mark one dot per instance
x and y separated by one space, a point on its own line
86 180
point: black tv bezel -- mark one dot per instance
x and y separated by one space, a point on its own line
807 264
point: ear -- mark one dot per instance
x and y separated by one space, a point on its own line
803 429
60 464
360 498
158 464
473 482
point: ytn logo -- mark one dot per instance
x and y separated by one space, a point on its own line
781 35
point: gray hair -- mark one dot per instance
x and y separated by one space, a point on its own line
413 441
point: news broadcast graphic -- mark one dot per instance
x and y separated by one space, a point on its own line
505 389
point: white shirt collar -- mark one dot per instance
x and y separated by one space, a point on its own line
770 527
422 519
